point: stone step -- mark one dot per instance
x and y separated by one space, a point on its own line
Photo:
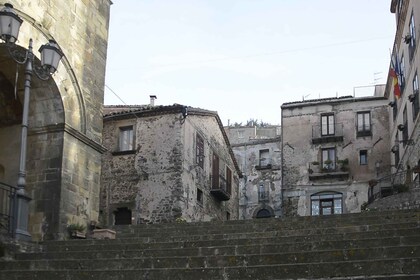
176 236
323 270
200 241
209 261
270 224
134 251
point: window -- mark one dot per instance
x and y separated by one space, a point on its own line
363 124
264 159
240 134
228 180
263 213
394 109
262 192
126 141
199 160
227 216
328 158
327 125
363 157
396 151
415 101
215 172
412 39
199 197
401 77
405 130
327 203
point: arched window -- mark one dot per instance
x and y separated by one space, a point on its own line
326 203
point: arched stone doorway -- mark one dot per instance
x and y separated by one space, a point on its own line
263 212
44 142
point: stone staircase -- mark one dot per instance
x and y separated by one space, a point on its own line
371 245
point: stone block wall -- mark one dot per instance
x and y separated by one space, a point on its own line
65 129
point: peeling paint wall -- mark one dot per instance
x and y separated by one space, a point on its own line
300 125
159 181
260 188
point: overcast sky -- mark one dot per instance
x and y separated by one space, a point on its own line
244 58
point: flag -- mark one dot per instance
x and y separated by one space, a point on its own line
394 73
397 92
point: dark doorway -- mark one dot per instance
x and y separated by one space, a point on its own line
263 213
122 216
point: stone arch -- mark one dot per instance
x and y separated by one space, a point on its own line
263 211
65 77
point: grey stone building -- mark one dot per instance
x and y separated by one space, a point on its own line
332 148
404 117
65 113
258 153
166 163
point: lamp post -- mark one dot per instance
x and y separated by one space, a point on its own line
51 55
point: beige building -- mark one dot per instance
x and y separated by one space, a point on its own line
404 111
258 153
63 163
166 163
331 149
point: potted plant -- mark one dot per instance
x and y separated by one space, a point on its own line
76 230
343 164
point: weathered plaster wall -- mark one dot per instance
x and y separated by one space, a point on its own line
148 181
299 152
158 182
247 155
196 177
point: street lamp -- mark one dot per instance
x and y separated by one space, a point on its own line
50 57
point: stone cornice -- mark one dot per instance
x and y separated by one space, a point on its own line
62 127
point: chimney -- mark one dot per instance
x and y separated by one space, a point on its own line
152 100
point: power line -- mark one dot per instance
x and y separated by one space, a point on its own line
276 53
116 94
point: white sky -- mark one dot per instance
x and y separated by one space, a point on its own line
244 58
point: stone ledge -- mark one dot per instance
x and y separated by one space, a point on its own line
104 234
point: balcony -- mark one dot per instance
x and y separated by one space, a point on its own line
339 173
331 136
220 188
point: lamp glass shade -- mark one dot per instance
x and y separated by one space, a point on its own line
9 24
50 56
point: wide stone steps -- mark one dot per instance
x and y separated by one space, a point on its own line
136 250
295 223
193 260
357 246
321 270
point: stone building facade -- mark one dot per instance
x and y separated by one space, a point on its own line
65 113
258 153
404 107
166 163
332 148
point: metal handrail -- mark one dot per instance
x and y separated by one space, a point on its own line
390 185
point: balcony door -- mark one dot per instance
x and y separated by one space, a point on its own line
327 125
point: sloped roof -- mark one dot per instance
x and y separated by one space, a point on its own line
113 112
